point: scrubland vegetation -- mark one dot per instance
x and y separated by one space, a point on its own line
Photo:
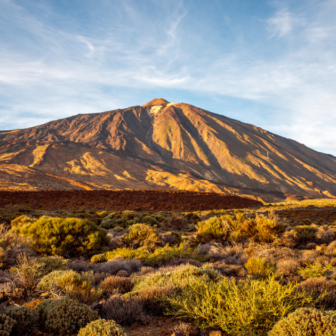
263 271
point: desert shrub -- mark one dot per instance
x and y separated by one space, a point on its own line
287 267
321 287
21 220
231 254
116 283
260 228
166 253
238 308
331 248
65 316
191 216
76 286
215 228
122 310
102 328
177 278
144 235
25 275
150 298
26 320
186 329
118 264
325 235
6 325
171 238
260 267
65 237
11 246
176 223
303 234
314 270
160 255
127 253
51 263
306 322
98 258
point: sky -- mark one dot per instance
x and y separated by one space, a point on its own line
267 63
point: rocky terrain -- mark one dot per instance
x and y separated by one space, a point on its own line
162 145
147 200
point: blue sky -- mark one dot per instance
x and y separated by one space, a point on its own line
268 63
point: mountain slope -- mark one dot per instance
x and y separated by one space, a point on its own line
162 145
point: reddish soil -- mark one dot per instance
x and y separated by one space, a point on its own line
145 200
321 215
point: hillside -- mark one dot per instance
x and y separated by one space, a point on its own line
162 145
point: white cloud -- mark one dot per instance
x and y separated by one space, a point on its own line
282 23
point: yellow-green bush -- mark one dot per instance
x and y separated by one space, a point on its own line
306 322
238 308
160 255
66 316
76 286
98 258
144 234
314 270
51 263
178 278
102 328
66 237
259 229
259 267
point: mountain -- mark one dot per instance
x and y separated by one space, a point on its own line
162 145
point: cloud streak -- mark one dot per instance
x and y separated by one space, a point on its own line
52 67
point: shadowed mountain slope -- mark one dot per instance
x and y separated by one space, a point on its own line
162 145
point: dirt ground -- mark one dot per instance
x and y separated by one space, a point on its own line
144 200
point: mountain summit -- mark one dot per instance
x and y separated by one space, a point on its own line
162 145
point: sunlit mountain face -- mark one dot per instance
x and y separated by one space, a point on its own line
163 145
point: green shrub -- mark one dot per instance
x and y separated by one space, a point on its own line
98 258
260 267
26 320
304 233
214 228
306 322
6 325
76 286
177 278
102 328
127 253
11 246
314 270
66 237
66 316
144 234
238 308
160 255
51 263
151 298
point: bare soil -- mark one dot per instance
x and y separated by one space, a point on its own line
144 200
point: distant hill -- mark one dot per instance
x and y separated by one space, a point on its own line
162 145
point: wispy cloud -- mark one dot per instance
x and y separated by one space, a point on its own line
52 67
282 23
